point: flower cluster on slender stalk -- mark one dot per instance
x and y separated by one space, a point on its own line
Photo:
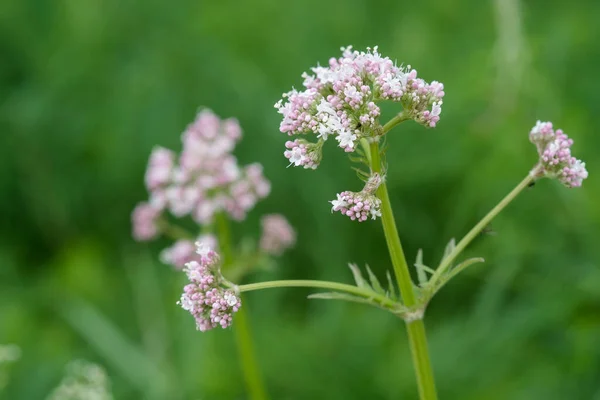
362 205
204 297
554 150
341 101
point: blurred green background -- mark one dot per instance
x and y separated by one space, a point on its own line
88 87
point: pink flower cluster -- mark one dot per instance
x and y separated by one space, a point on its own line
359 206
340 100
277 234
184 251
303 153
209 303
205 181
554 149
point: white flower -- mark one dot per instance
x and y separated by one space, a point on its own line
230 299
202 249
296 156
436 109
324 107
346 139
339 203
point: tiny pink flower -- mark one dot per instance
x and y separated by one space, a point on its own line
362 205
277 234
160 167
144 219
554 150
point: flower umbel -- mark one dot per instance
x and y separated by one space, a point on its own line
341 101
556 161
359 206
205 297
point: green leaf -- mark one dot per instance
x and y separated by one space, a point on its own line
375 285
362 175
421 275
422 269
391 287
449 248
464 265
358 278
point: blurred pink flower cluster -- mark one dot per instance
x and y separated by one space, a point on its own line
201 182
556 161
205 180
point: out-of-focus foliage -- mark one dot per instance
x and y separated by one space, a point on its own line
88 87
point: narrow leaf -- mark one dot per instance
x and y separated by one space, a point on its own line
375 285
449 248
358 278
421 275
391 287
463 265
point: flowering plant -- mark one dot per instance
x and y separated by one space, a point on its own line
340 101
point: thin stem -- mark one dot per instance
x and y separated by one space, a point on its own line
254 382
399 118
173 231
416 329
468 238
341 287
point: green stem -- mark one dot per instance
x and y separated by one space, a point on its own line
399 118
252 376
340 287
391 234
173 231
468 238
254 382
416 328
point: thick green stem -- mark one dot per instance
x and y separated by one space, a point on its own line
464 242
254 382
416 329
399 118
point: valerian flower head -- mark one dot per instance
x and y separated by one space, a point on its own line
340 101
554 150
206 297
205 180
277 234
362 205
